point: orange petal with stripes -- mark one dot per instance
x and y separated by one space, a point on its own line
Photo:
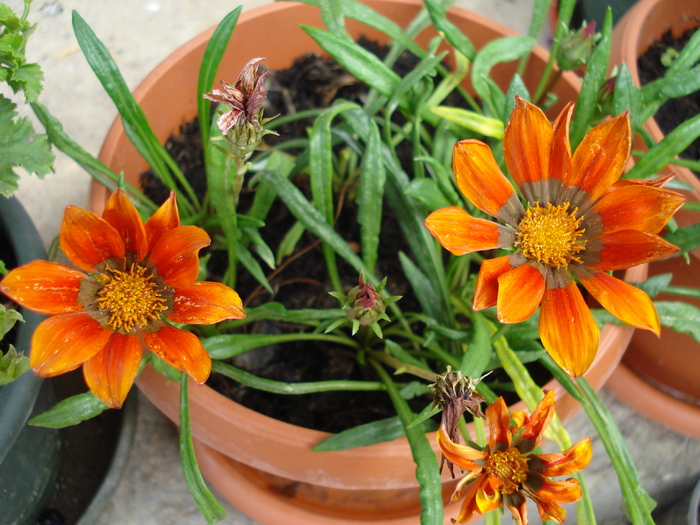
460 233
567 328
181 350
87 240
520 291
45 287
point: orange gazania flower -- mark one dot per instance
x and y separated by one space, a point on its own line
578 221
506 472
131 279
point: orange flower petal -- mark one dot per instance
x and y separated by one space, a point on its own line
527 144
463 456
111 372
482 182
460 233
176 254
567 329
87 239
166 218
626 248
181 350
520 292
538 422
626 302
64 342
206 303
469 506
637 207
550 511
601 156
45 287
122 214
560 164
567 462
486 292
498 420
488 497
565 491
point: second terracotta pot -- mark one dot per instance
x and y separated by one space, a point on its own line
264 466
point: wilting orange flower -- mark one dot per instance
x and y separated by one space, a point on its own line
579 221
506 472
130 278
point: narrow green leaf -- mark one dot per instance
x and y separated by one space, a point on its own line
371 197
314 221
422 287
281 387
662 153
627 96
229 345
97 170
135 121
332 12
452 33
289 242
689 55
596 71
206 501
681 317
487 126
480 349
427 192
213 54
687 238
362 64
363 435
516 88
427 470
70 411
253 266
495 52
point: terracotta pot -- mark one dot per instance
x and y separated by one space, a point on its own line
641 26
263 466
666 370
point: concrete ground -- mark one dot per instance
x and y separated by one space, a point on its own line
139 34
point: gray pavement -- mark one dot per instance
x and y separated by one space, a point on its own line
140 33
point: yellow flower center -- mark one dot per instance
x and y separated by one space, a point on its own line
130 297
551 235
510 466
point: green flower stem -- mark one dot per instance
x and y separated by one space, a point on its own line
397 364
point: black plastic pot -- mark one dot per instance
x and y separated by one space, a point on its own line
29 456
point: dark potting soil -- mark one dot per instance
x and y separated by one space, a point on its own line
677 110
301 280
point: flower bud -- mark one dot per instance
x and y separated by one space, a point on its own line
576 48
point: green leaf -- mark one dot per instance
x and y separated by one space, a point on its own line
681 317
362 64
653 286
516 88
253 266
627 96
487 126
206 501
427 470
230 345
289 242
95 168
452 33
281 387
70 411
662 153
135 122
214 52
686 238
20 147
495 52
596 71
427 192
28 78
480 349
12 365
422 287
363 435
8 318
371 197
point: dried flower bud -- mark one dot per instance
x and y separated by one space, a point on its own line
243 124
576 48
456 393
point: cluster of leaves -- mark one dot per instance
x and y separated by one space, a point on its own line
12 364
20 145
